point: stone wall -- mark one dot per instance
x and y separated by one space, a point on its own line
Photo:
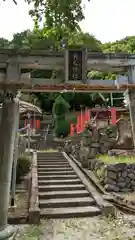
119 177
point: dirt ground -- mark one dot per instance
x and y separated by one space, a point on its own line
95 228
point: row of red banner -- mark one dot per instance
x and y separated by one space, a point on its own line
34 124
83 117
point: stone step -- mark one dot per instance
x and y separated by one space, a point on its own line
48 160
43 172
56 182
56 177
44 188
64 194
57 159
43 156
68 202
53 165
55 169
87 211
61 163
52 160
52 155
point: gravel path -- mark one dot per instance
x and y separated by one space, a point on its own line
77 229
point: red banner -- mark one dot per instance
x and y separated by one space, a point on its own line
72 129
78 126
113 116
38 124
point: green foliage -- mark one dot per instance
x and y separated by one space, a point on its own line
48 39
72 119
60 107
62 128
126 45
23 167
84 40
60 111
117 159
57 14
100 173
101 75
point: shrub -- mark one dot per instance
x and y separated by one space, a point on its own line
100 173
62 128
23 167
60 111
60 107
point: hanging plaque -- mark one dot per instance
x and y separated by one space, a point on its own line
75 70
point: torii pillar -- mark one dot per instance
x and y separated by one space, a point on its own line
131 80
7 140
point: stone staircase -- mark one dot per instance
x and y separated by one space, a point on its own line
61 192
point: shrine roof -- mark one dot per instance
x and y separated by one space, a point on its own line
25 106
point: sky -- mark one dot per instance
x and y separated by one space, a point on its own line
107 20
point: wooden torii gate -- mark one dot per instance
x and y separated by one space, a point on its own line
74 64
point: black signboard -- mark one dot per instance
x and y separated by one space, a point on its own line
75 65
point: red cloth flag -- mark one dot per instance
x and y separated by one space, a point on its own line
78 126
80 122
113 116
38 124
83 120
72 129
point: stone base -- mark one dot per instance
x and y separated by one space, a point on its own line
34 216
12 208
7 233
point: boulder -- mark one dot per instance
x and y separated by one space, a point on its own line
133 188
112 168
124 174
121 184
121 166
109 181
132 183
120 179
132 166
111 188
131 176
112 175
125 190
